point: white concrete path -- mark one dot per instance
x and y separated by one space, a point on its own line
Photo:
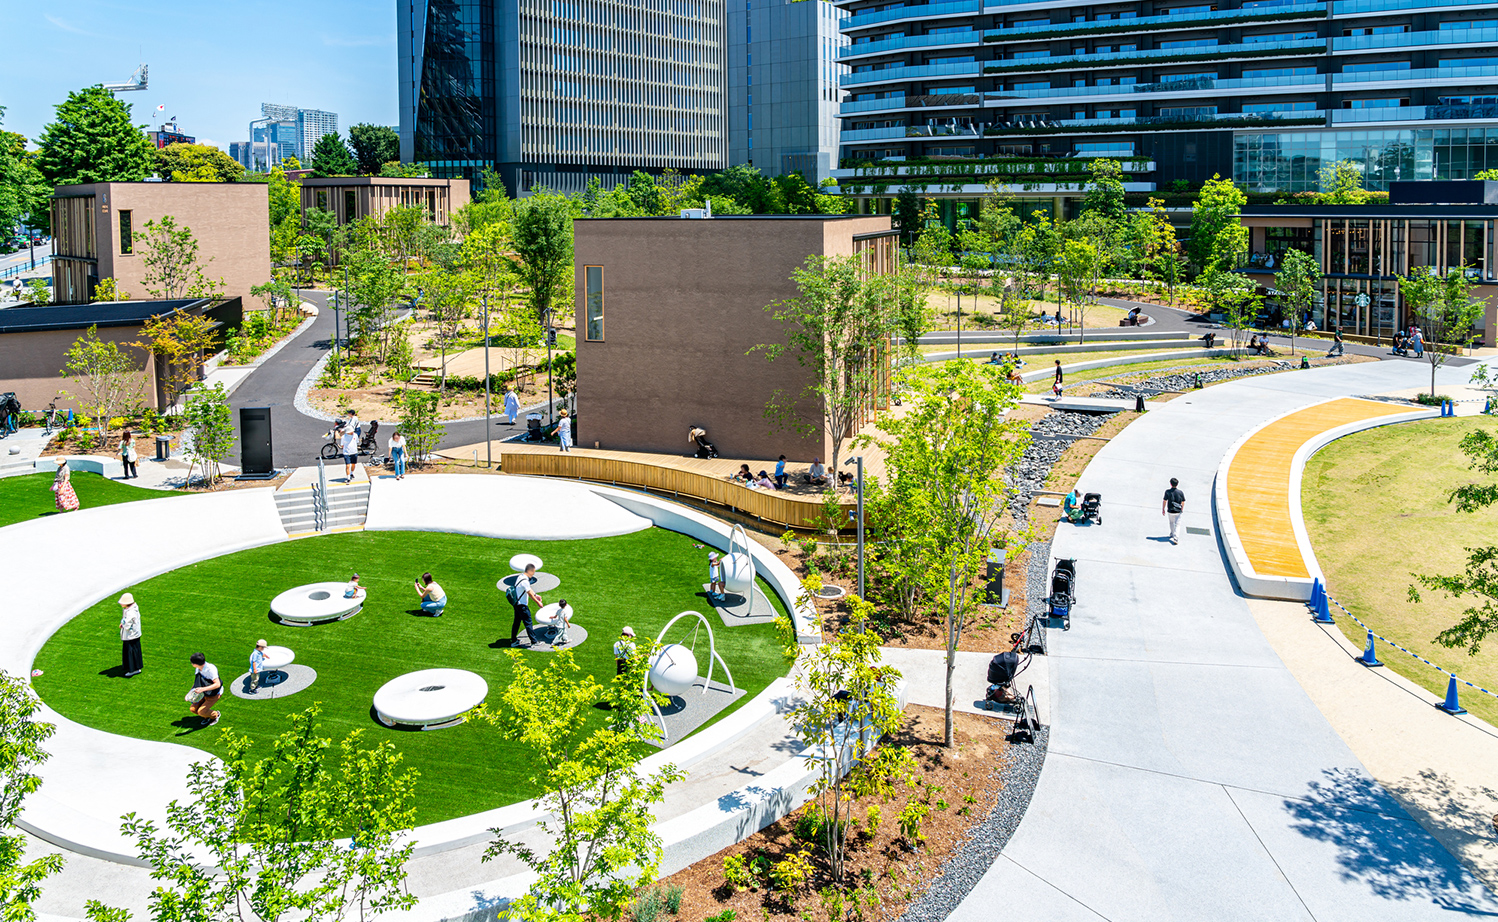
1189 776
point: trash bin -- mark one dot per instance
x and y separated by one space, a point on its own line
163 447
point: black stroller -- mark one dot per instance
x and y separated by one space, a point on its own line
10 413
1092 507
704 448
1002 670
368 445
1063 592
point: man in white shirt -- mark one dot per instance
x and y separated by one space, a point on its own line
206 690
817 474
348 443
624 650
130 635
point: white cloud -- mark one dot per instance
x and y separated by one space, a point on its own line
69 27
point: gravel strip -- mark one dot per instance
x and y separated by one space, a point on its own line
1051 435
1186 381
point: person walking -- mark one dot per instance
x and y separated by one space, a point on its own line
128 455
130 635
62 485
1172 506
348 444
1417 341
520 594
564 431
1336 348
206 690
433 598
512 405
1056 386
398 454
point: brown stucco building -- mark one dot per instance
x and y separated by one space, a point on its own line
668 310
97 231
355 197
34 342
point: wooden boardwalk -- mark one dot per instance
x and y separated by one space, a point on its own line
1258 481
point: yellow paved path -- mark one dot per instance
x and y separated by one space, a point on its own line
1258 483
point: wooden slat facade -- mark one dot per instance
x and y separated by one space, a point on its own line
1258 484
701 479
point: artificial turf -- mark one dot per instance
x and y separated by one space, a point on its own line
222 606
30 496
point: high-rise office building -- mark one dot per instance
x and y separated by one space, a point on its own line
555 93
1264 91
285 131
783 71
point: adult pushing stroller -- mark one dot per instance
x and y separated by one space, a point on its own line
1063 592
697 438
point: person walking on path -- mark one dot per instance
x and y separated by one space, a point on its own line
206 690
1060 379
1417 342
1172 506
512 405
398 454
1336 348
520 594
130 635
348 444
128 455
564 431
433 598
62 485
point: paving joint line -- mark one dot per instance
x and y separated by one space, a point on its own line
1275 861
1157 662
1055 887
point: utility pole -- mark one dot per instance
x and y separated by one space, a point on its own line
488 443
859 487
551 409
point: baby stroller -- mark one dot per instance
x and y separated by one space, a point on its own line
1092 507
1063 592
1002 670
367 444
704 448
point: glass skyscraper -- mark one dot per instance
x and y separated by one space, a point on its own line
555 92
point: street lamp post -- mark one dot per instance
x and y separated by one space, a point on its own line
488 447
551 408
859 488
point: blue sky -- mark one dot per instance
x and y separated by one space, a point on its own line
211 64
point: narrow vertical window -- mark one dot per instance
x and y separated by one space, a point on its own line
350 206
594 302
127 239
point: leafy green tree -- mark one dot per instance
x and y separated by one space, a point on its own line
21 739
284 198
1444 310
1039 242
990 243
448 294
169 252
1217 209
323 224
24 193
541 239
37 293
420 424
1297 284
266 840
1076 266
374 146
180 340
108 378
331 157
599 800
933 247
92 140
1342 184
1159 251
376 284
397 170
1105 190
196 163
745 184
211 424
107 291
909 214
279 297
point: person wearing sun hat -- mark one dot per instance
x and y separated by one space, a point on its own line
130 635
624 648
257 664
62 485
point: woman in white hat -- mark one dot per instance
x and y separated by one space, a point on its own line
130 635
62 485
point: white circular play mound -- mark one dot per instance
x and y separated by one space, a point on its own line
316 602
429 698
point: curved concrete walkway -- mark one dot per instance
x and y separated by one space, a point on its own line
1189 776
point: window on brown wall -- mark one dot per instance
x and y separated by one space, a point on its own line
593 302
350 206
127 237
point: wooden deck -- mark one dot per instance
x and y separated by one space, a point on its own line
1258 481
707 479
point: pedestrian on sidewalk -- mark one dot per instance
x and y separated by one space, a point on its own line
62 485
1336 348
1056 386
398 454
128 455
1417 341
348 441
130 635
1172 506
512 405
564 431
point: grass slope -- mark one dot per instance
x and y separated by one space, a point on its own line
1375 506
221 607
30 496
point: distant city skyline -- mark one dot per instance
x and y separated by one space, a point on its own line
211 67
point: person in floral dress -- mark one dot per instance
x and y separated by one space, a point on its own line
62 485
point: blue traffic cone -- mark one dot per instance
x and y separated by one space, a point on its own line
1451 705
1316 591
1369 658
1323 609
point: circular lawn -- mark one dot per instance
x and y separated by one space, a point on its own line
222 606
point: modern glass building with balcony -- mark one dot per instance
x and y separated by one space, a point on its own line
1266 91
556 92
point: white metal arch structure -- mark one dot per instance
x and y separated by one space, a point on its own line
735 563
712 649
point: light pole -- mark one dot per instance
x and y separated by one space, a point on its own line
859 488
959 326
551 409
488 448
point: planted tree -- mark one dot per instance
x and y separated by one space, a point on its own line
376 284
169 252
947 459
1105 191
331 157
180 340
210 424
108 379
24 192
107 290
92 140
598 799
541 241
374 146
1444 310
447 294
1077 268
196 163
279 297
420 424
312 831
1297 284
1217 209
21 752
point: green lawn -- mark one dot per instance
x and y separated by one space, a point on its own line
1375 506
221 607
30 496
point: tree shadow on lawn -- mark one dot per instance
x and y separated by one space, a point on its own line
1380 846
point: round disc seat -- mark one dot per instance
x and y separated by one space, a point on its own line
429 698
316 602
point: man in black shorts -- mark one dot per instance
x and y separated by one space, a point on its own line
1172 506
